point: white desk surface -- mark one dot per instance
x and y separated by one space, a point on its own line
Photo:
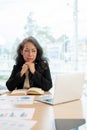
45 113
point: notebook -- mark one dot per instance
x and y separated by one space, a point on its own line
68 87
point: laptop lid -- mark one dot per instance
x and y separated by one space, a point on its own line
67 87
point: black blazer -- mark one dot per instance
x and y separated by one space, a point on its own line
40 79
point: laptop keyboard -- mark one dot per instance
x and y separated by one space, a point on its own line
46 97
49 100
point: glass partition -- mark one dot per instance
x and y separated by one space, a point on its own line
59 26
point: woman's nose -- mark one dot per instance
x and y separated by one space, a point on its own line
30 53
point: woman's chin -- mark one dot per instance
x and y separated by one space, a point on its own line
29 61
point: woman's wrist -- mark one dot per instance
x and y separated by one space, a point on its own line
21 73
33 72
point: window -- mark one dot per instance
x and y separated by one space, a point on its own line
59 26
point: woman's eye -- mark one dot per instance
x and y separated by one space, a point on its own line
33 50
30 51
26 51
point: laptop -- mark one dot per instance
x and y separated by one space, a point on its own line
68 87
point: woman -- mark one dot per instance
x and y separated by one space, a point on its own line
30 61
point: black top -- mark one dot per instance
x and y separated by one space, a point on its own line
41 78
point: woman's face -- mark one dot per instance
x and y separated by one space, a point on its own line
29 52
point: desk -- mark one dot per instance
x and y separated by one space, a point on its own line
45 114
71 110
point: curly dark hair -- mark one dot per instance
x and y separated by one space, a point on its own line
39 59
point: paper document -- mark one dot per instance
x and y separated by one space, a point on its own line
17 124
17 99
32 90
17 113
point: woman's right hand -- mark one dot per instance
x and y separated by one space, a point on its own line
24 69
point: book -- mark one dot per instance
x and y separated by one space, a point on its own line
33 90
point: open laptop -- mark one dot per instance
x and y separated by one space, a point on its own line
68 87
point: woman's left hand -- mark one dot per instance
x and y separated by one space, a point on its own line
31 66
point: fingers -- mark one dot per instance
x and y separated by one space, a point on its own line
31 66
24 69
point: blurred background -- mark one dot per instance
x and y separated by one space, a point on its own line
59 26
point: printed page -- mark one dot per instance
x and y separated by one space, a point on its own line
17 99
19 92
17 124
35 90
17 113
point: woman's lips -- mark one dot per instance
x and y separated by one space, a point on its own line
29 59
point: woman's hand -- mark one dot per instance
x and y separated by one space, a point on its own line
24 69
31 67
